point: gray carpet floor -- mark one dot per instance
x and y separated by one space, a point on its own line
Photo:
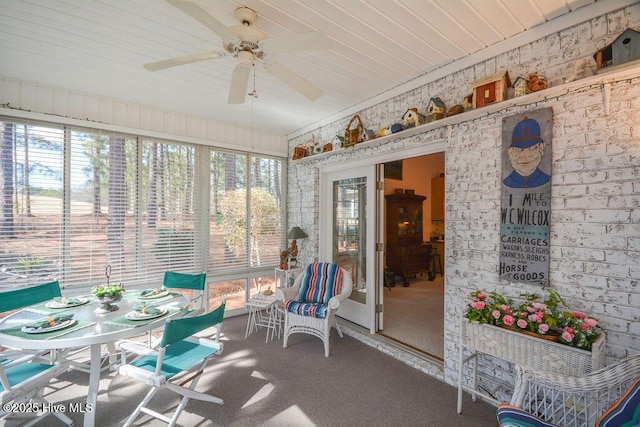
414 315
263 384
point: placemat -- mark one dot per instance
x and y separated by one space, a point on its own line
124 322
16 331
136 296
43 309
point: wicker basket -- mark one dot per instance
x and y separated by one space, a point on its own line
533 352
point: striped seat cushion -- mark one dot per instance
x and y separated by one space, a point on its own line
512 416
320 283
310 309
626 411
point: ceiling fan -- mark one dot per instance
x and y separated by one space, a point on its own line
246 43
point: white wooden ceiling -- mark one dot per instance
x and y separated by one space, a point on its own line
99 47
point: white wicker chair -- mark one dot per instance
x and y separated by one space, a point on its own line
296 322
573 401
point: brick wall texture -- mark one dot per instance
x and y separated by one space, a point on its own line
595 192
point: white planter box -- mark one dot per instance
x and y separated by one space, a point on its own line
534 353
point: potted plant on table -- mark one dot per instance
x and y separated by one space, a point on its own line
107 295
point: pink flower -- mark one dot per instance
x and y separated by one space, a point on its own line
480 305
507 320
538 305
584 327
482 296
521 323
534 318
531 310
591 322
567 336
543 328
495 314
474 299
579 315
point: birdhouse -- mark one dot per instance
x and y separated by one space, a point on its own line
337 142
412 118
520 86
368 135
436 109
490 89
625 48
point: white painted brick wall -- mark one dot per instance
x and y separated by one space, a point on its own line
595 230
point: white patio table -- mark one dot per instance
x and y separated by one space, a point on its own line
90 329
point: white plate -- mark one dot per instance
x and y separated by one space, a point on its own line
56 304
136 315
60 325
162 293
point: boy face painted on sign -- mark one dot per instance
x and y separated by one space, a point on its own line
526 160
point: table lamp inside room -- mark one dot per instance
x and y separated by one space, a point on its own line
289 256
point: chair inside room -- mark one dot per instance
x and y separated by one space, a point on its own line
16 299
310 305
607 397
195 284
24 297
22 381
179 359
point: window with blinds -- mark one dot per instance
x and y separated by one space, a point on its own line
246 217
77 200
31 204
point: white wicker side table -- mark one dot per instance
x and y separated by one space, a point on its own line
264 313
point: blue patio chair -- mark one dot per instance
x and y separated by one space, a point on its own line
179 359
16 299
196 284
23 380
24 297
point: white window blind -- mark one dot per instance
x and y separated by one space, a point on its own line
76 200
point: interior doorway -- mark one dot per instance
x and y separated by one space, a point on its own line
413 309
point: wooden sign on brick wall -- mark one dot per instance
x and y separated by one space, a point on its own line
526 197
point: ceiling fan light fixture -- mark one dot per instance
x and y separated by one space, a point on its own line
245 58
247 39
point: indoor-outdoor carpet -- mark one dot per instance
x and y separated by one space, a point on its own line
263 384
415 315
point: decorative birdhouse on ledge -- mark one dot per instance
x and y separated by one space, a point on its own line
520 86
436 109
625 48
490 89
412 118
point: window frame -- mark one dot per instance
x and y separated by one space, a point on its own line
201 193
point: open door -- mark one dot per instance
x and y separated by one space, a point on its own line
348 200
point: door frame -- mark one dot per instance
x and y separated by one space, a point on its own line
367 158
361 314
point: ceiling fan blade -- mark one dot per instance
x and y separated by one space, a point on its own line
239 81
181 60
314 40
205 18
295 81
